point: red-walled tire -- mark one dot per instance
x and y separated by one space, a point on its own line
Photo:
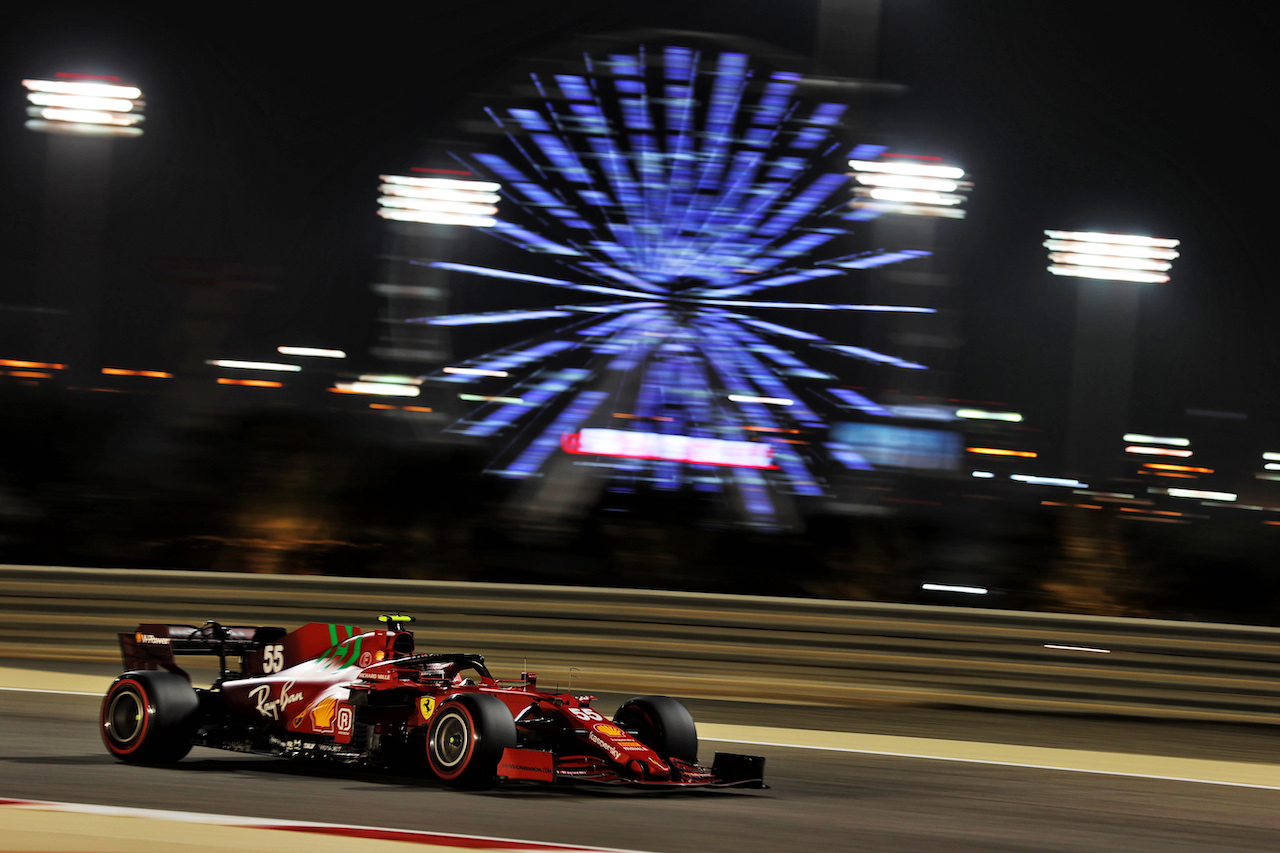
662 724
149 717
466 738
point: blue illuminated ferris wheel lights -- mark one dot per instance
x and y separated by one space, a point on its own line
676 184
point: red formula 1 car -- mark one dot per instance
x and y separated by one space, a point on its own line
366 697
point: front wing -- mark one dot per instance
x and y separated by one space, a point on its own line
729 770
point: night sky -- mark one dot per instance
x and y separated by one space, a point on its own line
264 136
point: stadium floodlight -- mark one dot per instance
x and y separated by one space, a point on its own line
439 201
1113 257
915 186
84 104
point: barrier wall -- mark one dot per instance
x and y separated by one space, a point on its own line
690 644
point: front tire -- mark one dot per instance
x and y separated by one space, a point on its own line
149 717
466 738
662 724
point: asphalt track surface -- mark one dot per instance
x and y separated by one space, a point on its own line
821 798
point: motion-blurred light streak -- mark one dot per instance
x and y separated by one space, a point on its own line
768 401
254 365
38 365
1142 438
391 378
1156 451
385 389
983 415
1034 480
1201 494
482 398
947 587
1000 451
251 383
476 371
151 374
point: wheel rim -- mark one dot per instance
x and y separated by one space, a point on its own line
451 740
124 717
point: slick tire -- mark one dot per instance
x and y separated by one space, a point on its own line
149 717
466 738
662 724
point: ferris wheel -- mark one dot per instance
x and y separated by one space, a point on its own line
676 219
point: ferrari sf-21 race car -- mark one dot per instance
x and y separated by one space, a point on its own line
335 692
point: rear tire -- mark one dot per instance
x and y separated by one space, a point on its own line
149 717
662 724
466 738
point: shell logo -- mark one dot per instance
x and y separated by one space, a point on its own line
609 730
322 714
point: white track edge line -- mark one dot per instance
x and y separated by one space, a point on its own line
41 690
998 763
282 824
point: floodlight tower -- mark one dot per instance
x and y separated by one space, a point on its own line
1114 269
426 210
82 114
84 105
908 196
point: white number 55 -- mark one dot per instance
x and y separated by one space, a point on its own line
273 658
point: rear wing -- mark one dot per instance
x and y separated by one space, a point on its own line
153 646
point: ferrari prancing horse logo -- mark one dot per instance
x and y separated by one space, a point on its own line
427 705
